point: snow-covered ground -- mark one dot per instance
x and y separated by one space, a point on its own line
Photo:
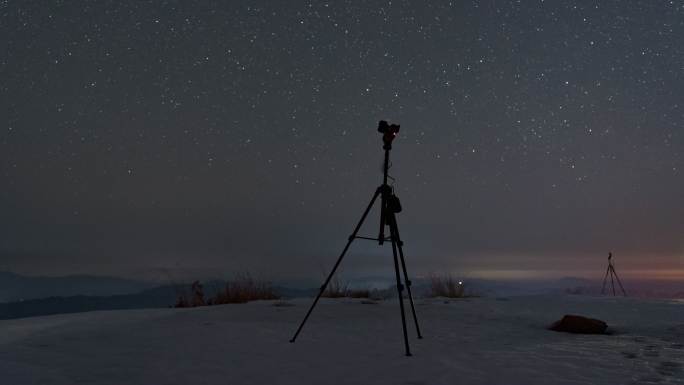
471 341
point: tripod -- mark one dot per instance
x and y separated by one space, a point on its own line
389 207
611 271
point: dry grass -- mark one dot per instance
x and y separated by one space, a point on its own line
336 289
446 285
243 288
196 296
339 289
181 301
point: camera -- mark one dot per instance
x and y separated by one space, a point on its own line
388 131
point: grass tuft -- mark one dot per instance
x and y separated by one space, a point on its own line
243 288
446 285
339 289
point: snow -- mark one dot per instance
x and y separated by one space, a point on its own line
466 341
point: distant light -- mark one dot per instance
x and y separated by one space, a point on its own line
460 282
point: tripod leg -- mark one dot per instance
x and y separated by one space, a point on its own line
619 283
339 259
394 233
400 290
611 279
383 215
605 278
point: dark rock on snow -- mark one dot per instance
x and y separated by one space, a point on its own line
579 324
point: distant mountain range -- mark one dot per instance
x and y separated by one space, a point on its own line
15 287
22 296
159 297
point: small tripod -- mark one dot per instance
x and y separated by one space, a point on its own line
389 206
611 271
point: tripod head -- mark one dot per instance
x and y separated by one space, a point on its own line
389 132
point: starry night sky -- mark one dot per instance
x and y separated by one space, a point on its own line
209 137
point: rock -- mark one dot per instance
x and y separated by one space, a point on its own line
579 324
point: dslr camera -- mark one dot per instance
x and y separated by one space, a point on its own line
388 131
